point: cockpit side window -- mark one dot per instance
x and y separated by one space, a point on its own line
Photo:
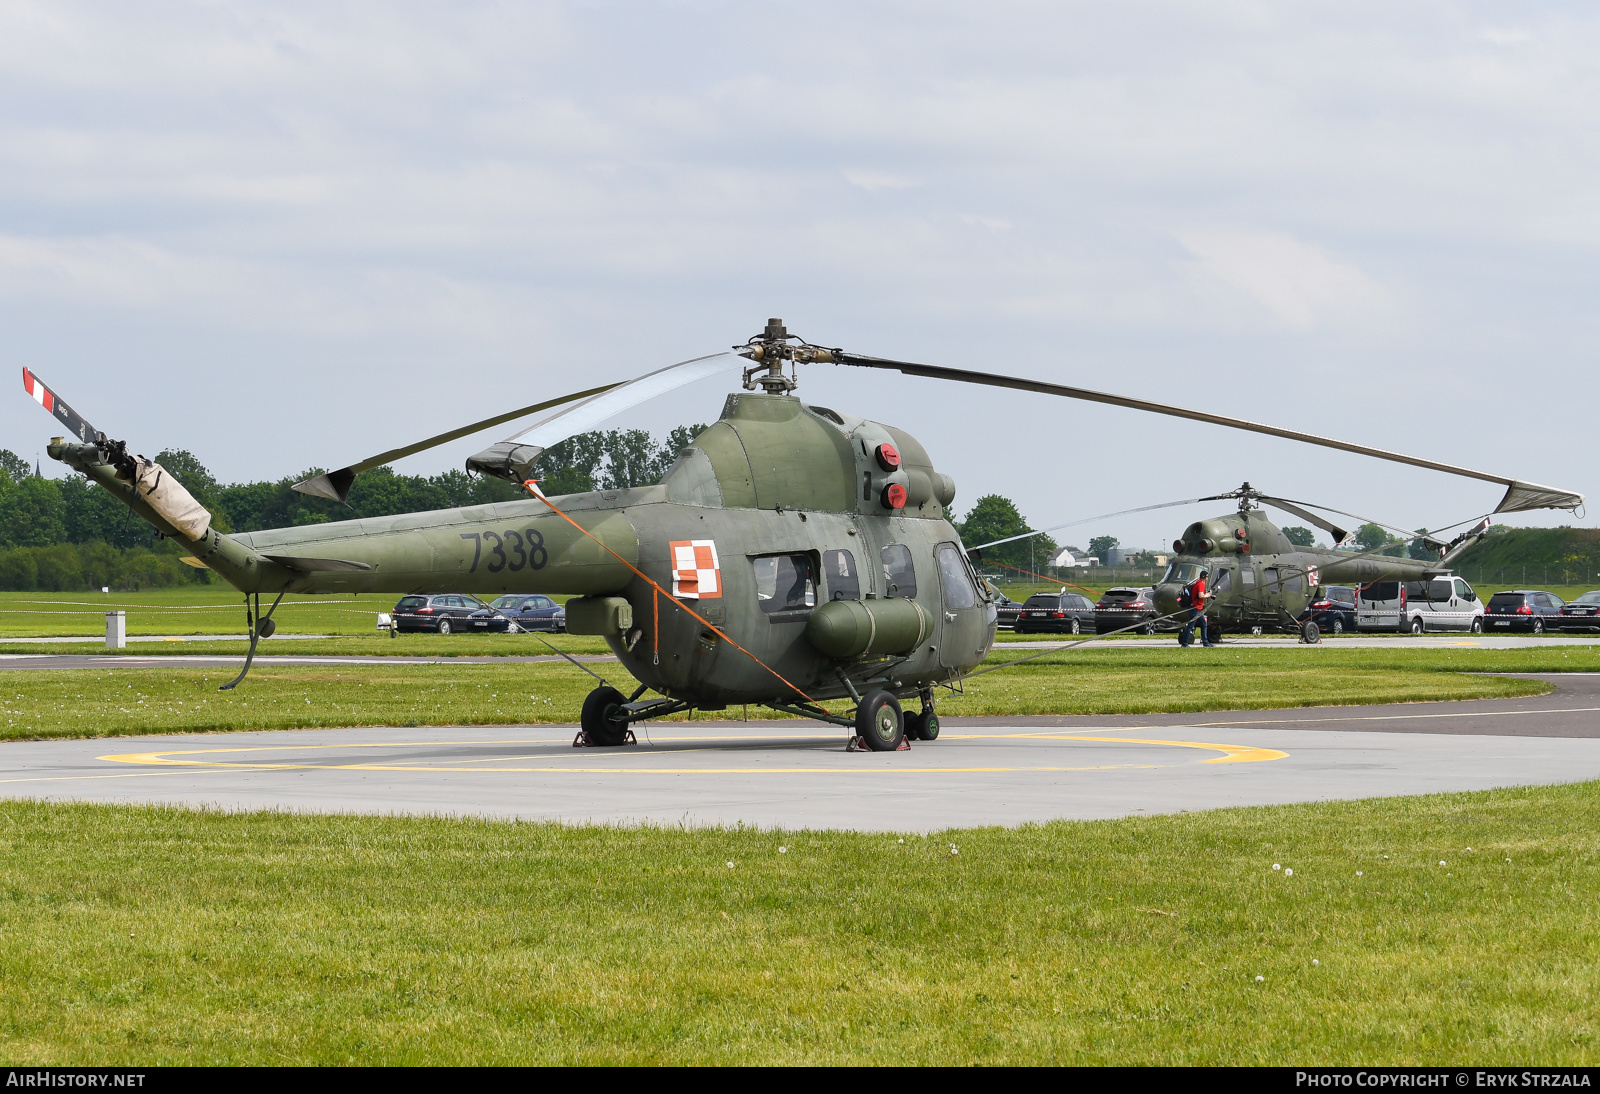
899 575
842 577
1221 582
958 590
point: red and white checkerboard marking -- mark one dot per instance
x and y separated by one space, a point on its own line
40 393
696 574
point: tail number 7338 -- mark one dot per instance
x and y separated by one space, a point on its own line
512 550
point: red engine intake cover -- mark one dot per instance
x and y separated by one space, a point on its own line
894 495
889 459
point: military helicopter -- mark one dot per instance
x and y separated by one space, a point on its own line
792 555
1261 580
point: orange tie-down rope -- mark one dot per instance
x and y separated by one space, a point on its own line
1042 577
534 490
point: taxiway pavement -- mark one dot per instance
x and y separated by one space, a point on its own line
798 775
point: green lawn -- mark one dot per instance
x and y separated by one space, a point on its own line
114 701
136 936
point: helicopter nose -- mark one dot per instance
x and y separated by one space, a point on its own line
1166 598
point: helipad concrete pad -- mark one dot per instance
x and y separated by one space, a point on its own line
797 775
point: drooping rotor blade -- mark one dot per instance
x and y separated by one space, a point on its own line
1324 523
513 458
64 413
335 485
1519 495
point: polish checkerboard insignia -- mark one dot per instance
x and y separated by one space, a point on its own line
696 573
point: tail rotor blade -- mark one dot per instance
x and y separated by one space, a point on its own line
48 399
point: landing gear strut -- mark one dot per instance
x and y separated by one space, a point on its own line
261 626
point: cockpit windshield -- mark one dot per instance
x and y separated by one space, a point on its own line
1181 573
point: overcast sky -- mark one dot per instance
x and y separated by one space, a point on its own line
283 235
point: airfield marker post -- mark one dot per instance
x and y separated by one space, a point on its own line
116 630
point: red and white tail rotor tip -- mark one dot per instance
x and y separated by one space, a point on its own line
35 387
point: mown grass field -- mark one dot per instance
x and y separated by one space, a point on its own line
116 702
1447 930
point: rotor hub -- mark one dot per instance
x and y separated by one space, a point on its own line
770 349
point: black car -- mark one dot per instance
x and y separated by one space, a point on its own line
444 613
1334 612
1582 614
1057 612
530 612
1120 609
1523 610
1006 609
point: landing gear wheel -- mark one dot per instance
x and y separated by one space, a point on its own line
923 725
1538 627
1477 626
1311 634
444 626
603 720
1417 625
1077 628
879 721
1213 633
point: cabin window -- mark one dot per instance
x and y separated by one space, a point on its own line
840 573
1247 575
899 576
1221 582
1294 583
784 583
1269 580
958 590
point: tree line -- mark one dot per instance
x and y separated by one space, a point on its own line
70 533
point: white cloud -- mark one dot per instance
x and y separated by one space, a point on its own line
1298 283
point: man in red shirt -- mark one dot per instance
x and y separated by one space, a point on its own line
1197 595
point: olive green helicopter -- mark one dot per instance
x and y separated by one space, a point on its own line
791 556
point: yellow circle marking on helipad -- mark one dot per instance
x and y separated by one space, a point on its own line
172 758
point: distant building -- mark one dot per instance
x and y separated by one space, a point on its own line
1129 556
1068 557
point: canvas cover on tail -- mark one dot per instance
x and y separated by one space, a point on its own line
169 499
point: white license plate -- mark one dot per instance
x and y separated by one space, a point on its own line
1502 622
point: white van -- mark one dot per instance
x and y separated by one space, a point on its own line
1442 603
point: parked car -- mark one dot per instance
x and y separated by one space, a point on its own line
1333 610
1582 614
1005 608
528 612
1071 613
1122 608
1523 610
1443 603
443 613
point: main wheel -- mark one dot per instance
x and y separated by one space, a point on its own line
1077 628
880 721
603 719
1311 634
1538 626
1417 626
922 725
444 626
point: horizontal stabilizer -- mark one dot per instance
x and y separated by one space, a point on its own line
318 565
190 560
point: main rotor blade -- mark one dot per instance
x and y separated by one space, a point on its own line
513 458
1519 495
335 485
1324 523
